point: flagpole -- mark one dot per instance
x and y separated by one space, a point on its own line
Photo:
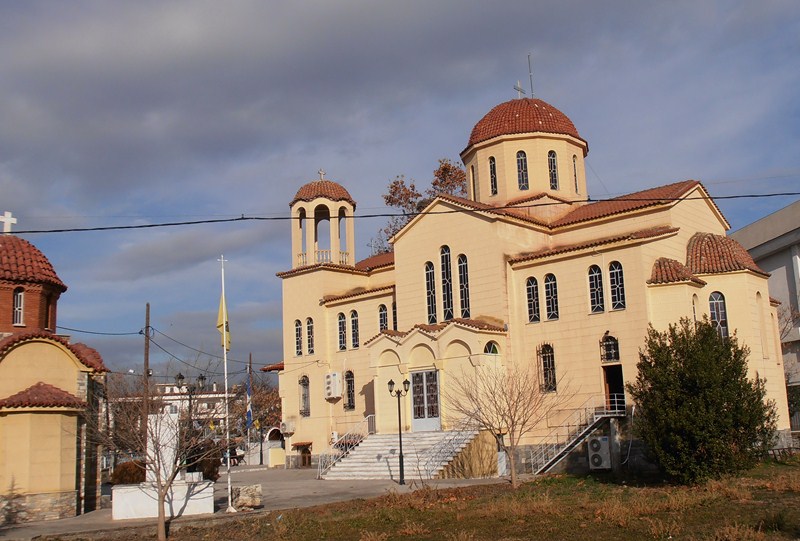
249 413
225 331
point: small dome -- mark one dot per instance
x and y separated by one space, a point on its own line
322 188
21 261
524 115
707 253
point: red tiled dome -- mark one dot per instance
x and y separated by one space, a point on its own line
707 253
42 395
21 261
322 188
524 115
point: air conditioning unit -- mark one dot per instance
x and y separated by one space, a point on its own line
333 385
287 427
334 436
599 453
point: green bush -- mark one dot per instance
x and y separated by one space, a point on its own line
128 473
697 411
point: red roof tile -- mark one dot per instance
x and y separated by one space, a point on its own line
707 253
323 188
89 357
378 260
670 271
42 395
662 195
357 292
276 367
525 115
437 327
21 261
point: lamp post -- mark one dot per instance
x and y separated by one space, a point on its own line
400 393
191 389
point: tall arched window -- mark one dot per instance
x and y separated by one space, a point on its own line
430 292
491 348
532 290
609 349
383 318
394 316
305 397
298 337
547 359
310 335
551 296
575 171
719 314
492 176
349 391
19 307
447 285
342 323
474 182
552 167
596 302
617 283
463 285
354 329
522 170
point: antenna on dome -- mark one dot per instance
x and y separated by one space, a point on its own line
530 73
519 89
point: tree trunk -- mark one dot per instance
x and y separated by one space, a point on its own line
162 519
512 465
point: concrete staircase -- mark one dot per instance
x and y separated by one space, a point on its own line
425 454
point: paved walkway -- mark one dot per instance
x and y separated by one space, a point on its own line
282 489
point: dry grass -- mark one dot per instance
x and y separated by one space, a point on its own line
663 529
737 532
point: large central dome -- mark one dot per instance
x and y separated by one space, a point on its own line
524 115
21 261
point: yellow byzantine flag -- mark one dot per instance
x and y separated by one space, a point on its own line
222 324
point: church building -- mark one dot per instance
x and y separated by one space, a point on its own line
49 467
523 271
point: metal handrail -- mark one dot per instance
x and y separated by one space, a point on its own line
346 443
447 447
576 425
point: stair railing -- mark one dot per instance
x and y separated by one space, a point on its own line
346 443
445 450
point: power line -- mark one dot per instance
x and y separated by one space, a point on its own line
101 333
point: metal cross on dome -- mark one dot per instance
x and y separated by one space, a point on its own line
7 221
321 174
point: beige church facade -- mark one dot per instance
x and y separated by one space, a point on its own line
523 271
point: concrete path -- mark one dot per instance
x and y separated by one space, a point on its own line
282 489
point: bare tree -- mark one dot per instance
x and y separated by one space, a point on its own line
172 440
788 319
509 401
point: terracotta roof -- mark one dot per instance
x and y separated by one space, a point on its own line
707 253
524 115
301 444
670 271
378 260
89 357
635 235
21 261
276 367
502 211
774 301
437 327
356 293
323 188
42 395
662 195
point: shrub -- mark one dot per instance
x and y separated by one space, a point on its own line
128 473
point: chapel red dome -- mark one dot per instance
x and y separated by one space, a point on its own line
327 189
21 261
523 115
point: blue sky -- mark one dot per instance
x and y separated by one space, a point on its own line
146 112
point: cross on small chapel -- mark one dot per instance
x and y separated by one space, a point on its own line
7 221
321 174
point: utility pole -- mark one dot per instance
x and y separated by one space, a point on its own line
146 376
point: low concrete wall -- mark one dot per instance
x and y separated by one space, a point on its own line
141 501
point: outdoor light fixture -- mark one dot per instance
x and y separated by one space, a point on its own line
400 393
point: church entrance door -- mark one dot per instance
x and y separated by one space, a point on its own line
425 401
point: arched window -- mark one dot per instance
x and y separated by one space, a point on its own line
551 296
463 285
430 292
394 316
617 282
695 302
19 307
609 349
552 167
522 170
719 314
310 335
575 171
298 337
354 329
305 397
473 181
342 322
547 359
383 318
48 309
491 348
596 301
492 176
349 391
532 290
447 285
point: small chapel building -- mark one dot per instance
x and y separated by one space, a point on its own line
522 271
49 465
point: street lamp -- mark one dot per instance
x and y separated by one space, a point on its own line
400 393
191 389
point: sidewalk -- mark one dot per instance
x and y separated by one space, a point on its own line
282 489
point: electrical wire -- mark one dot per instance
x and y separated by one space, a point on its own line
99 332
